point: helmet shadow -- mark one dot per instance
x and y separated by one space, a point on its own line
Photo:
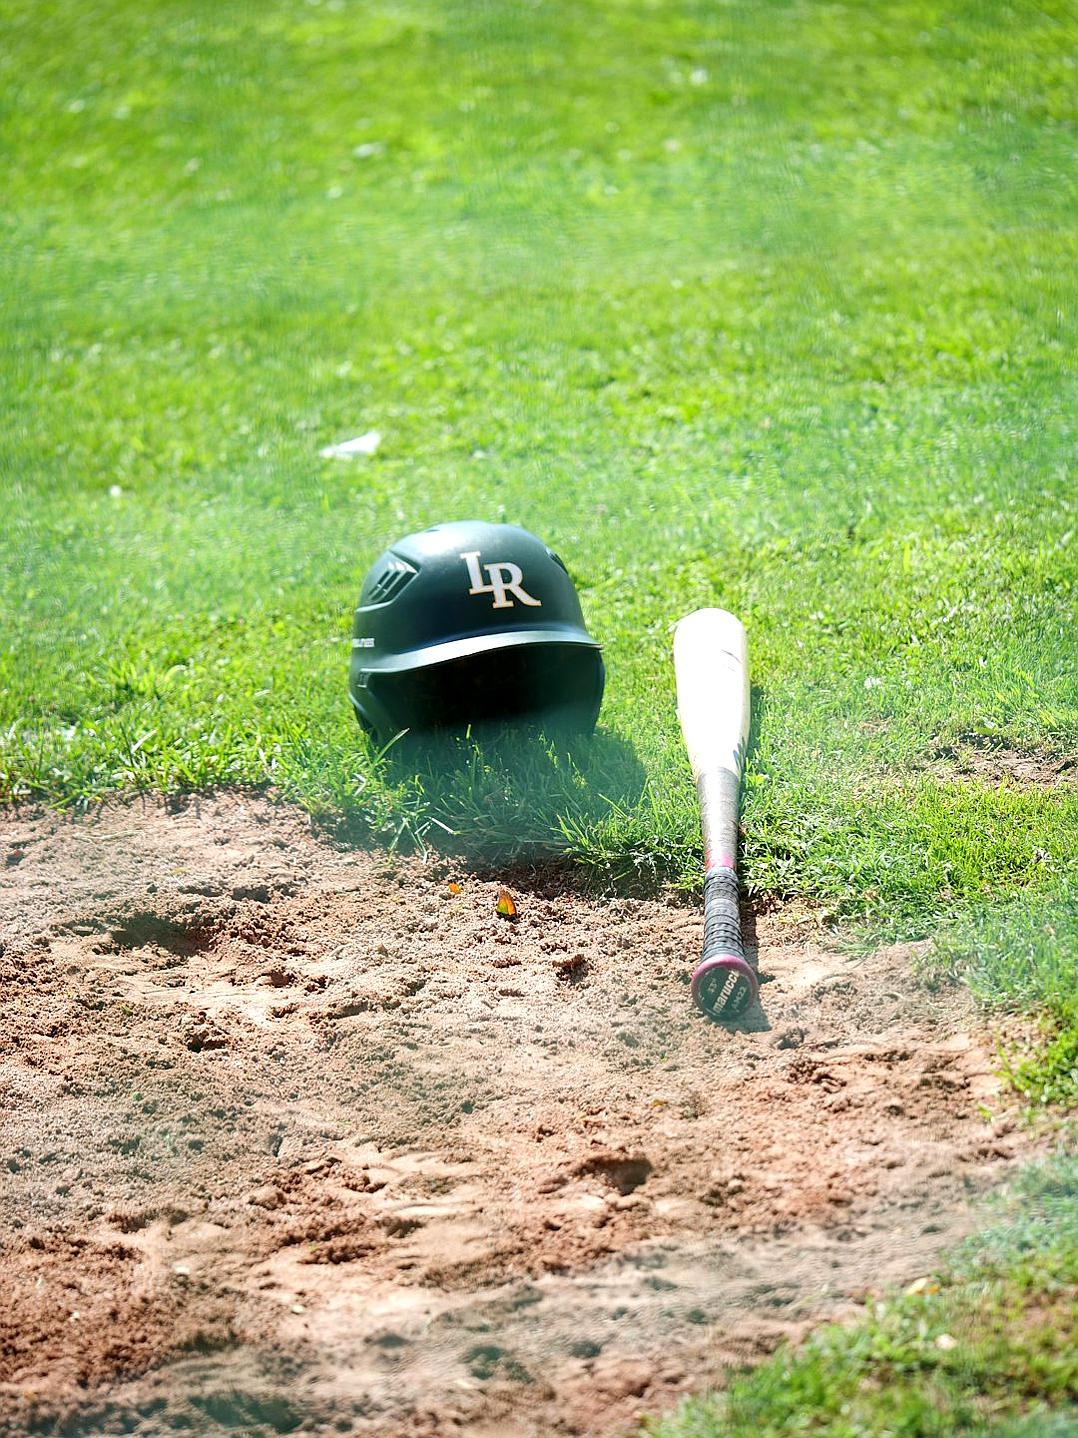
500 793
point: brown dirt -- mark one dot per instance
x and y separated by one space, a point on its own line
977 757
301 1140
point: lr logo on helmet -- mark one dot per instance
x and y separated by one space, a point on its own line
505 579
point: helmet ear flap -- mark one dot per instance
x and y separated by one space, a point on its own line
373 717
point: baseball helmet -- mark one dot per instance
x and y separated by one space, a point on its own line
472 623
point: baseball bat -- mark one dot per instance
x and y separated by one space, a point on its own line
712 671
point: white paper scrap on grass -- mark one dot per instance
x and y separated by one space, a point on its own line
362 444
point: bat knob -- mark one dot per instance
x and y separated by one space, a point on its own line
724 986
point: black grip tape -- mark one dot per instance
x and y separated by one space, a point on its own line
722 916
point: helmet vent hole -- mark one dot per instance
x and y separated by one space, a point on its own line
390 582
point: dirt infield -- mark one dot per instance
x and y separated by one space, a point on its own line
300 1140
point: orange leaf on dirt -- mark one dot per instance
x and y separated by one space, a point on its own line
456 888
506 906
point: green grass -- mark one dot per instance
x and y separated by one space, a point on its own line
1021 956
988 1349
763 305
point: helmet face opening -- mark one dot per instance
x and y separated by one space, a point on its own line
557 687
472 623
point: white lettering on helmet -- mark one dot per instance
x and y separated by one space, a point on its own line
504 578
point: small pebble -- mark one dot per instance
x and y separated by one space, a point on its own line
266 1197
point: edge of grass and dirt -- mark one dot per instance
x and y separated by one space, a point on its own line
981 1344
985 1347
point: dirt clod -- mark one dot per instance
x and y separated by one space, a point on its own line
427 1195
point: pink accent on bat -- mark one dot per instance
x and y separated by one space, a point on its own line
725 861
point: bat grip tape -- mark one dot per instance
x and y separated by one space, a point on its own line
722 916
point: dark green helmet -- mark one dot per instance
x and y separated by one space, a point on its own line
471 623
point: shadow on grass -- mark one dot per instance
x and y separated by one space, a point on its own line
501 797
511 798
